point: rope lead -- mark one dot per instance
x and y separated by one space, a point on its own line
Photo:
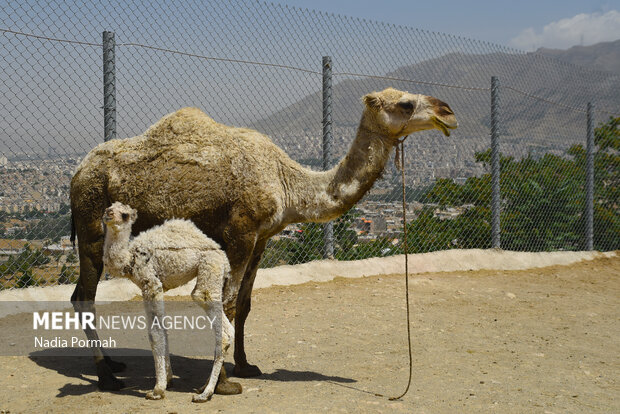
400 150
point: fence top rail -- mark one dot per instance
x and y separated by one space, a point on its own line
573 108
52 39
249 62
299 69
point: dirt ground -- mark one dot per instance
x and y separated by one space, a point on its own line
537 341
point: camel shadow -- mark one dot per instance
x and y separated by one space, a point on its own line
297 376
139 377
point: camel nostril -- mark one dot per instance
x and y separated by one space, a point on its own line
444 110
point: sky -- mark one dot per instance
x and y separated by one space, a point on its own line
522 24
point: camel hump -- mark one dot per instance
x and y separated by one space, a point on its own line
186 124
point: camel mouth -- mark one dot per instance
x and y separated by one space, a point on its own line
444 126
108 216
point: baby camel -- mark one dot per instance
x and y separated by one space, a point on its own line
162 258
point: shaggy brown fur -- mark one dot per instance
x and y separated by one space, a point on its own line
236 186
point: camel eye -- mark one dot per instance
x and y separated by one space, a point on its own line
406 105
125 216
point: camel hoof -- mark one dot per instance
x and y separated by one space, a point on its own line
200 398
228 388
247 371
107 380
115 366
110 383
154 395
169 384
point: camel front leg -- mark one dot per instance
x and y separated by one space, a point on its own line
153 295
242 368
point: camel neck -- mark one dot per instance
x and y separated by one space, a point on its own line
116 252
323 196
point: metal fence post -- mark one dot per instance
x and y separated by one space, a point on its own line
328 228
109 87
590 179
495 169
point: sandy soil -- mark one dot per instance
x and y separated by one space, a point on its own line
536 341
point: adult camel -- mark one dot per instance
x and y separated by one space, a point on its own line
237 186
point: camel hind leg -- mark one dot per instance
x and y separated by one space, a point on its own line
208 295
83 300
215 313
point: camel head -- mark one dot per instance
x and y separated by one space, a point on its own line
119 217
395 113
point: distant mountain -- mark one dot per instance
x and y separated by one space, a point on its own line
543 102
541 97
601 56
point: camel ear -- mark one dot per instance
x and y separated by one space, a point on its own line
373 101
134 214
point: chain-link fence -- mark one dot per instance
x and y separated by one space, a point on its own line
260 65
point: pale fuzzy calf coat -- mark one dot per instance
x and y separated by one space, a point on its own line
162 258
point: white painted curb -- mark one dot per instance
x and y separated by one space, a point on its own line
325 270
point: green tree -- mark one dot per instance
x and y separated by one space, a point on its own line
22 265
606 183
28 258
380 247
309 243
26 279
542 202
445 192
72 258
67 276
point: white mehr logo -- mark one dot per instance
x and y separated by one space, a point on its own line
63 320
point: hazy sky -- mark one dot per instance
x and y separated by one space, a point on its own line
523 24
50 92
